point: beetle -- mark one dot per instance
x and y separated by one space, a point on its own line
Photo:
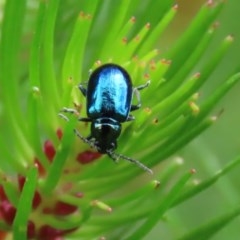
109 95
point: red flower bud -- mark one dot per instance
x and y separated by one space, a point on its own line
49 150
88 157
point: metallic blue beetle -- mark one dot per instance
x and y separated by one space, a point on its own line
109 95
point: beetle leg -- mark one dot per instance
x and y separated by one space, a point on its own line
63 117
85 119
82 89
70 110
73 111
67 110
136 92
143 85
135 107
130 118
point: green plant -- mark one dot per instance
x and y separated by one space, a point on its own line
52 185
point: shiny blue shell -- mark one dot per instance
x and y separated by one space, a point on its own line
109 93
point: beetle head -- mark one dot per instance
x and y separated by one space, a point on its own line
105 131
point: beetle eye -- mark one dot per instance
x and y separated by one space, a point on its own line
113 145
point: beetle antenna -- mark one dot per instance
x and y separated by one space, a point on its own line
92 145
116 156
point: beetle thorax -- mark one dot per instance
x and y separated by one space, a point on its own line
105 131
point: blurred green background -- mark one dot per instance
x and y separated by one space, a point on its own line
219 144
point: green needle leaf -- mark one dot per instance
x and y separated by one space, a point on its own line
208 230
25 206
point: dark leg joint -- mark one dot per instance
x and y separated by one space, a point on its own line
135 107
82 89
84 119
